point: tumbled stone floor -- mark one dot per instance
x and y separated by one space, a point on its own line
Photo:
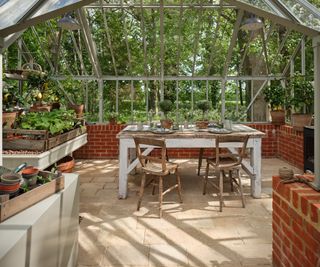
194 233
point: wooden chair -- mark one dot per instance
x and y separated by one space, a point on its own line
227 163
158 167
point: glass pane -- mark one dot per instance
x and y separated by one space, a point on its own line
14 10
307 14
52 5
265 5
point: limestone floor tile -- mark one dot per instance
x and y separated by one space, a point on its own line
122 236
103 179
174 237
217 255
84 178
126 255
91 185
251 252
168 256
90 254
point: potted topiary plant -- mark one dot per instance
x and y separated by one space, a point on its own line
204 106
301 100
166 106
274 94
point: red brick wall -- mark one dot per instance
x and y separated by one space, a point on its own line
102 142
270 141
296 225
279 141
291 145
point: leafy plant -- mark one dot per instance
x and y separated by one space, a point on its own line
204 106
24 187
166 106
56 121
274 94
43 180
302 93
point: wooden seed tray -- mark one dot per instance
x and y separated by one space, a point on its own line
10 207
18 139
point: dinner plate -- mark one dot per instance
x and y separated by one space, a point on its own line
219 131
161 131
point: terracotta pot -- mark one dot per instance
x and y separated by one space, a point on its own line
9 188
10 178
278 117
78 109
167 124
66 164
40 108
202 124
8 119
298 121
30 172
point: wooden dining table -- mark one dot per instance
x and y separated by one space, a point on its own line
189 138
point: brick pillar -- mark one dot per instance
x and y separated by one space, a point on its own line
296 225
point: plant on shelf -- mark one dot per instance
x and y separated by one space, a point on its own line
301 98
166 106
204 106
37 86
74 93
10 108
274 94
55 122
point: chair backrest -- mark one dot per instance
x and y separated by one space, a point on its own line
243 140
158 143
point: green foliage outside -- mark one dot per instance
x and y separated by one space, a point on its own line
179 59
302 94
275 94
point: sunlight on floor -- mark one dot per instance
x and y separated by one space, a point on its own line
194 233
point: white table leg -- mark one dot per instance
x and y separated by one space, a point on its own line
123 166
256 165
132 157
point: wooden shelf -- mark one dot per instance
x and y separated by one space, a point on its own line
46 158
14 76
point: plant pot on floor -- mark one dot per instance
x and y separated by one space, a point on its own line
66 164
298 121
8 119
278 117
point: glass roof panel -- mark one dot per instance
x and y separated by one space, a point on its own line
51 5
11 12
14 10
265 5
305 13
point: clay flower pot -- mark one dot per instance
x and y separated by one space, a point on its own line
8 119
10 178
167 124
30 175
202 124
66 164
10 189
78 109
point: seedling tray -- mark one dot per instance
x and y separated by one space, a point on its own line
36 140
10 207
